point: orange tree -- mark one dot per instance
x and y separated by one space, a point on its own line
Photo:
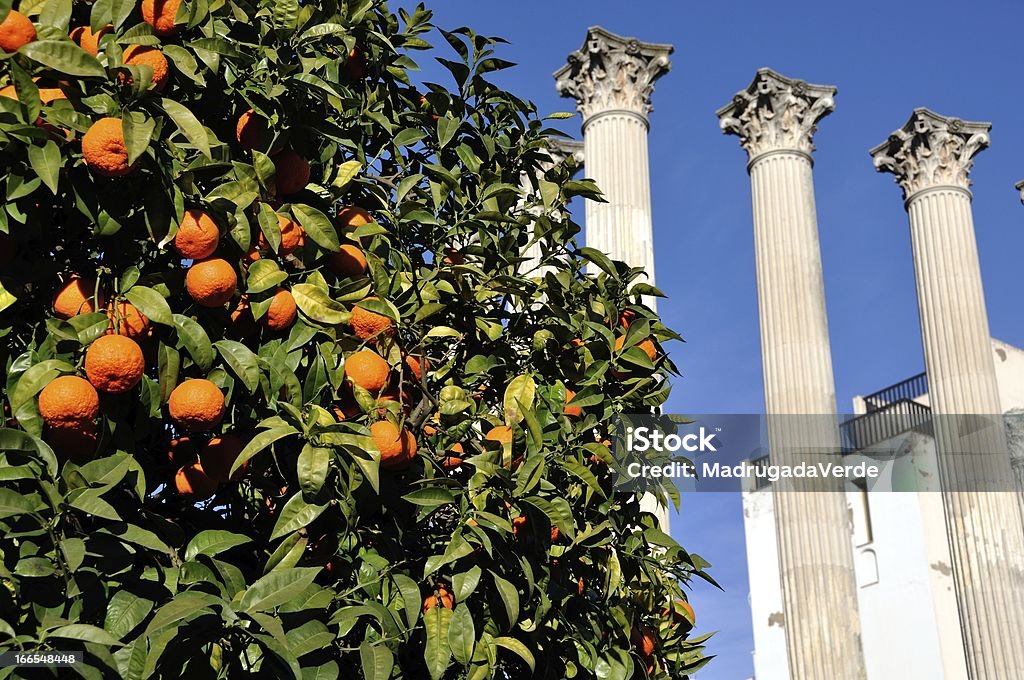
283 395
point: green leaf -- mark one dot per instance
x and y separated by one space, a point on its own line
509 596
64 56
183 606
437 653
138 133
85 633
408 137
13 503
188 124
410 595
264 275
196 341
462 634
286 14
152 304
242 361
430 497
519 396
446 129
296 514
514 645
56 13
599 259
315 303
317 226
347 171
465 583
46 162
6 297
35 379
125 611
276 588
260 442
377 661
213 542
312 468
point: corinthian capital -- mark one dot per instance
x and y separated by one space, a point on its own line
612 73
931 151
1020 188
776 113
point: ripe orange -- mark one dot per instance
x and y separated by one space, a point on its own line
76 297
355 67
682 613
453 257
643 641
126 319
103 148
68 401
250 130
349 262
353 217
182 450
16 31
251 256
450 462
114 363
46 94
647 345
212 282
346 407
519 524
193 483
291 172
501 434
397 447
366 324
442 597
416 364
556 534
75 442
368 370
282 311
219 455
571 411
143 55
291 236
87 40
196 405
160 15
197 236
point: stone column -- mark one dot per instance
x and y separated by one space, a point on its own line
612 80
775 119
1020 188
931 157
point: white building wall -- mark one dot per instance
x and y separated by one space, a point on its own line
909 618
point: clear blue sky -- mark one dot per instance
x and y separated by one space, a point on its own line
886 58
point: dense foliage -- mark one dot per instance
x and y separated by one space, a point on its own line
284 519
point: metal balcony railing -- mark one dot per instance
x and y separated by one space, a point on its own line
908 390
882 423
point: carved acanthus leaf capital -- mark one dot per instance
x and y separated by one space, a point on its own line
776 113
931 151
1020 188
613 73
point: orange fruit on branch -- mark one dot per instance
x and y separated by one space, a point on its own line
103 148
442 597
16 31
114 363
369 325
353 217
368 370
196 405
87 40
501 434
68 401
450 461
219 455
397 447
416 364
282 311
76 297
75 442
160 14
291 172
192 482
571 411
143 55
355 66
250 130
349 262
647 345
212 282
643 641
291 236
126 319
197 236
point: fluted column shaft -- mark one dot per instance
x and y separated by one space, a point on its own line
616 152
982 513
775 118
932 156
